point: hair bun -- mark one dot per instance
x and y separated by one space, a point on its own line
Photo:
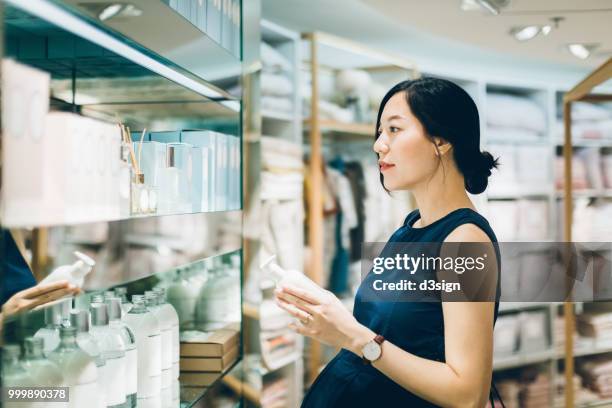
477 181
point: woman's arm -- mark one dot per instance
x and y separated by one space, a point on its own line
462 381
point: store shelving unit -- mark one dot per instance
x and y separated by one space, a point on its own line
324 57
121 70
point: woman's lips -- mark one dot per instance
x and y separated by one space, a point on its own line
386 166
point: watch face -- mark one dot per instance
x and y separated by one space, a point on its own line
372 351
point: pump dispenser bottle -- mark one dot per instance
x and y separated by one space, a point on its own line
75 273
49 334
165 324
41 371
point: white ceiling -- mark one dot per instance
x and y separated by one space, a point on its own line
439 36
585 21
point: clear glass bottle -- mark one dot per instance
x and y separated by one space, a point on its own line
146 329
41 371
79 319
140 195
131 352
182 294
168 199
170 314
113 350
79 368
50 332
121 293
165 324
13 373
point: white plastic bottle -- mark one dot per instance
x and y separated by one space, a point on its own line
79 319
41 371
295 278
147 332
75 273
165 324
170 313
50 332
131 352
80 372
113 350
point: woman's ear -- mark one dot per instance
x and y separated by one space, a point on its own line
441 146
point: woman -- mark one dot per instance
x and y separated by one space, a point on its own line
416 354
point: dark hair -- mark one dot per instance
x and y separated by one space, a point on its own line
447 111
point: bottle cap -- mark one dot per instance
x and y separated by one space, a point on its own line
109 294
114 308
98 298
33 345
99 314
80 320
53 315
135 298
161 294
151 298
67 332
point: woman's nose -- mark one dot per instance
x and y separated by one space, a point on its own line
380 146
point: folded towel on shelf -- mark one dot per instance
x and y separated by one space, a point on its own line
585 111
515 112
533 220
331 111
279 153
508 134
275 84
276 104
503 216
579 173
273 60
588 130
606 168
287 186
533 164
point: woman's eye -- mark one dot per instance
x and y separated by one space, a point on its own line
393 129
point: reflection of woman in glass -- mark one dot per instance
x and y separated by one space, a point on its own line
19 289
413 354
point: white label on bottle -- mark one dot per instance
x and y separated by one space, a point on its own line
115 384
131 357
149 367
166 348
176 344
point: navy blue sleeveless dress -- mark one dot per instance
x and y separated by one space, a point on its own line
417 327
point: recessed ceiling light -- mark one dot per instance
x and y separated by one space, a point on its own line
582 51
491 6
110 11
525 33
119 9
546 29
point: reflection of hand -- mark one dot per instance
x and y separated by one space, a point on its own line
323 317
38 295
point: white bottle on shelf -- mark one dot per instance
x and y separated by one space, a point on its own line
113 350
79 319
131 352
80 372
50 332
41 371
13 374
146 329
169 194
182 294
75 273
170 314
165 324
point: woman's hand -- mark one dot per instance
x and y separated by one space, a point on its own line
324 318
37 295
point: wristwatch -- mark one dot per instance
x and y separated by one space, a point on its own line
372 350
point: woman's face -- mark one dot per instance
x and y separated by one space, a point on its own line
406 157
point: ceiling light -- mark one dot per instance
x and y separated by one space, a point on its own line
110 11
582 51
525 33
546 29
119 9
491 6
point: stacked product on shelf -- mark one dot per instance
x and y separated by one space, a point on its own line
596 373
219 19
590 122
277 87
596 325
521 333
512 117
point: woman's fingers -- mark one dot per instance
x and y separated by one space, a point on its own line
44 288
305 295
51 296
301 329
297 302
293 310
